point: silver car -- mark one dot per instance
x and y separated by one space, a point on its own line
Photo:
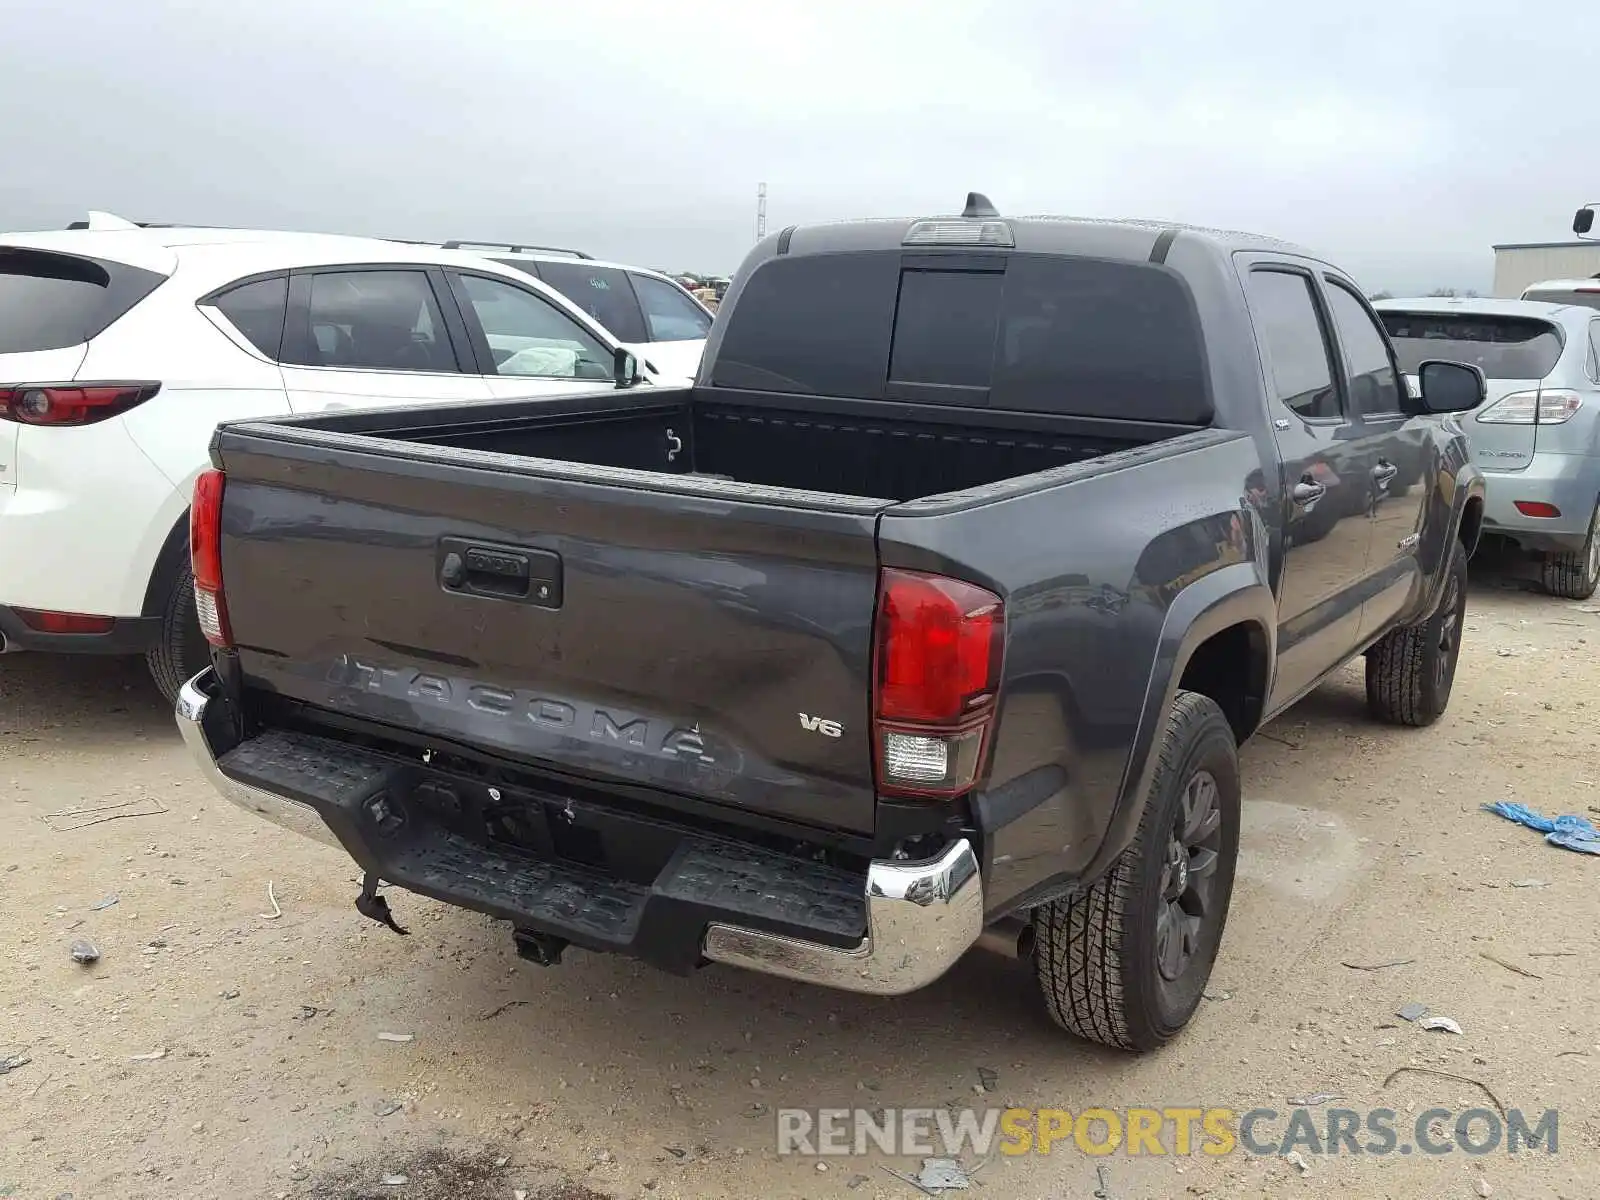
1536 436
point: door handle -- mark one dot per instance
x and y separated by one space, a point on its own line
1308 491
1384 471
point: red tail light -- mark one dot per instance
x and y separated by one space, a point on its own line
71 403
205 557
938 648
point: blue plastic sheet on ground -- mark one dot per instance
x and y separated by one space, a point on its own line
1569 832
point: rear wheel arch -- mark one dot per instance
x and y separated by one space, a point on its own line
179 650
1233 666
1233 596
169 564
1470 530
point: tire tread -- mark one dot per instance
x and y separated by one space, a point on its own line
1566 575
1079 939
169 659
1399 675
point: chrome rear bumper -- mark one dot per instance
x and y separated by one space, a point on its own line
921 916
280 810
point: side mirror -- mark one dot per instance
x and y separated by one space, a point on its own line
1583 221
624 367
1449 387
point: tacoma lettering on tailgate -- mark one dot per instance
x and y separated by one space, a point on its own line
572 719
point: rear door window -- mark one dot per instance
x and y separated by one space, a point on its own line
669 314
376 320
1502 347
51 301
602 292
1284 310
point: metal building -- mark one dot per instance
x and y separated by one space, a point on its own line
1518 264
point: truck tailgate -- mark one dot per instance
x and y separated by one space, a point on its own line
715 644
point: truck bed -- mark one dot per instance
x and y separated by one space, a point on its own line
883 452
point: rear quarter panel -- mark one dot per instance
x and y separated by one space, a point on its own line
206 378
1107 571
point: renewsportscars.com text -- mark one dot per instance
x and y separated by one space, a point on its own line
1174 1131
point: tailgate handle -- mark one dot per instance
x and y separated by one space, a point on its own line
500 572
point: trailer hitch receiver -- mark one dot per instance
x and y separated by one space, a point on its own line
374 907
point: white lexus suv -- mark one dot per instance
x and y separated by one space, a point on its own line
122 347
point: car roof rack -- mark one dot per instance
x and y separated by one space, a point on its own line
95 224
511 248
99 220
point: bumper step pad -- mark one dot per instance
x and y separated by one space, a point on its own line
363 796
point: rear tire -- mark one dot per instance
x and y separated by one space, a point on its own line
1411 670
181 651
1125 962
1574 574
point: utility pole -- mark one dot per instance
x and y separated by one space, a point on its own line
761 211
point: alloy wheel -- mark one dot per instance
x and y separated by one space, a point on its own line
1188 902
1450 614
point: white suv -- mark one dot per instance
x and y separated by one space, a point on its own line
650 313
1585 293
122 347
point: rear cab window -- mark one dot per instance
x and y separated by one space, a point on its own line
50 301
603 292
1020 332
1502 347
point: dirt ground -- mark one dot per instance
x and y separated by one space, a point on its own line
218 1050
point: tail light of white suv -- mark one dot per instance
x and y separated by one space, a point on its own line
61 404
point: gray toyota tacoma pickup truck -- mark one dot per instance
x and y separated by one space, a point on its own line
931 617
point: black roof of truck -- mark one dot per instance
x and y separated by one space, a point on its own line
1127 239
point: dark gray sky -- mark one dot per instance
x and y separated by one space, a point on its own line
1400 138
